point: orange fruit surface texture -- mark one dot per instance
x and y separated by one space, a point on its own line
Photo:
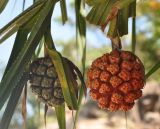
116 80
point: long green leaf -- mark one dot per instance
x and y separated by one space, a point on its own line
48 38
3 4
82 90
18 45
81 41
31 8
59 109
45 114
13 100
79 74
123 21
100 12
8 34
153 70
106 12
81 32
24 106
63 11
15 72
133 11
64 73
66 83
133 34
20 41
123 3
73 86
40 46
24 1
61 117
94 2
24 17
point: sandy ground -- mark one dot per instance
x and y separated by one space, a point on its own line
106 121
91 117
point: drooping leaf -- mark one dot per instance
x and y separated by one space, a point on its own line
153 70
39 110
3 4
15 72
40 46
24 1
98 13
74 67
63 11
104 12
81 42
8 34
21 19
20 41
45 114
94 2
132 12
13 100
65 77
72 77
61 117
18 45
122 24
132 9
59 109
67 85
133 34
118 25
24 107
48 39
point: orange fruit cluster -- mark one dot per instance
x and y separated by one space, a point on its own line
116 79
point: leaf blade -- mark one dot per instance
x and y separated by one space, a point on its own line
21 36
3 4
60 114
81 41
13 100
101 14
62 75
153 70
63 11
21 19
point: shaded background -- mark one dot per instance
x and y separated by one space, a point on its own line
146 112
